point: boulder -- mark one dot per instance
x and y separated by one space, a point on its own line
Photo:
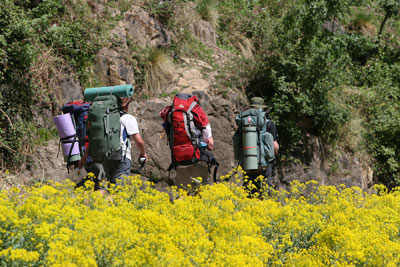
145 30
113 69
205 32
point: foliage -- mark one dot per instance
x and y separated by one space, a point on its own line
188 45
162 10
391 8
158 70
302 71
380 103
37 40
54 224
208 11
17 95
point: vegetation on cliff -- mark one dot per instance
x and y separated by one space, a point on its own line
328 69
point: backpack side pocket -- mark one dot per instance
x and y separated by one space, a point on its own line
268 147
237 145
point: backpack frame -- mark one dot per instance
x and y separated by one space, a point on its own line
253 121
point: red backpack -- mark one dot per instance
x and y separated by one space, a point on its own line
183 122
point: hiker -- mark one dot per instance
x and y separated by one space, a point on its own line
120 166
256 143
190 139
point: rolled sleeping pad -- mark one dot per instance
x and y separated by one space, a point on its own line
125 90
250 159
66 129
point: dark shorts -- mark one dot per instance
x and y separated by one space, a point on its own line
117 169
268 174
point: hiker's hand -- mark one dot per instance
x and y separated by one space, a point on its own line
144 156
210 144
276 147
81 163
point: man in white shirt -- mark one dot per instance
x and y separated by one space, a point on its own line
118 169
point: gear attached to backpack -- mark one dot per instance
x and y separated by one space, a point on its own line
72 130
253 143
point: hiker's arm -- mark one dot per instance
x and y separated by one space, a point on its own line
140 145
210 144
206 136
272 129
276 147
82 162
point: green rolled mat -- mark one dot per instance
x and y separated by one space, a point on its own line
72 158
250 155
125 90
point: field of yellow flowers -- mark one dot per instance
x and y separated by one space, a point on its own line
57 225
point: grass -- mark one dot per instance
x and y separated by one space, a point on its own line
363 22
190 46
158 70
169 94
242 43
208 11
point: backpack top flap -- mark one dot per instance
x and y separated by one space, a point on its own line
251 117
183 102
181 120
105 129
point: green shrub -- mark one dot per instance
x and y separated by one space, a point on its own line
208 11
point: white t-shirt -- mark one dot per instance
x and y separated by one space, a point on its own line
128 123
205 134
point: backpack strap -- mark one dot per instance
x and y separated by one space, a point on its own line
125 136
191 128
66 140
259 146
211 161
171 129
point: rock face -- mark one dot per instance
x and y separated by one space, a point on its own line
48 164
341 168
70 88
145 30
113 69
205 32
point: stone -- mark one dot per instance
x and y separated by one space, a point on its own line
70 88
145 30
205 32
113 69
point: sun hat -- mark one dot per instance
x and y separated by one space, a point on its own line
257 102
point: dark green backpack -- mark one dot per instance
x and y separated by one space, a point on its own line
253 144
104 129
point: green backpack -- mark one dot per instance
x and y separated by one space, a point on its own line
104 129
253 144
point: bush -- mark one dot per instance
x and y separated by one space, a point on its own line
35 37
137 225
